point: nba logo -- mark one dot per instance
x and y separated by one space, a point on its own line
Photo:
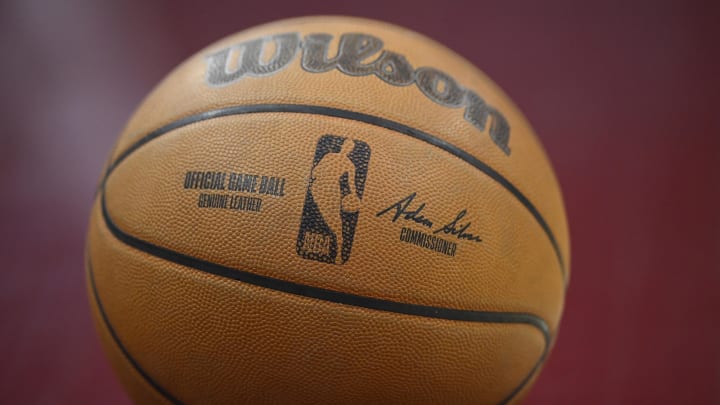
333 199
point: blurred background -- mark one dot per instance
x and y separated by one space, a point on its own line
623 94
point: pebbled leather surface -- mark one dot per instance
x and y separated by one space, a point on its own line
209 339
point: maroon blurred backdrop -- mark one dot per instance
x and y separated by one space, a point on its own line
623 94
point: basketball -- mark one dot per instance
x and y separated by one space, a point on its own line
327 210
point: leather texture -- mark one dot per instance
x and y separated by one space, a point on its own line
179 327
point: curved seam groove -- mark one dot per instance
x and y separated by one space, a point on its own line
119 344
315 292
320 294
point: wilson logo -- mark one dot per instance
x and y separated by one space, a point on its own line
357 55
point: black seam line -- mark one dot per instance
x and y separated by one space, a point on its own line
527 378
320 294
368 119
162 391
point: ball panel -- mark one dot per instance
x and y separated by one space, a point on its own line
136 386
186 92
206 339
512 269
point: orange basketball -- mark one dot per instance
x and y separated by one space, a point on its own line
327 210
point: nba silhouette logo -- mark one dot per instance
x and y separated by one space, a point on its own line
333 199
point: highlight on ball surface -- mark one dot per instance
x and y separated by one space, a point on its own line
327 210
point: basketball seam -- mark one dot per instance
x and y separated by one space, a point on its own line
113 334
323 294
316 292
310 292
360 117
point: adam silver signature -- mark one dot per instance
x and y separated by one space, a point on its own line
403 210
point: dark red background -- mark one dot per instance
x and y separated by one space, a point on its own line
623 94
